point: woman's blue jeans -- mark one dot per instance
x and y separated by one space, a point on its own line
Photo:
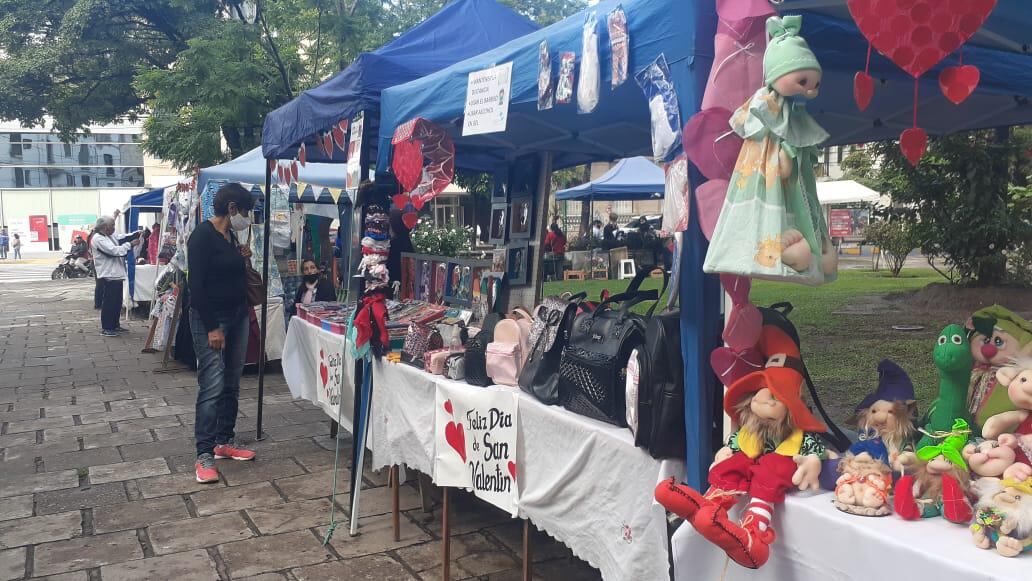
218 378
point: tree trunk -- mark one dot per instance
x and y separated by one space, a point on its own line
232 137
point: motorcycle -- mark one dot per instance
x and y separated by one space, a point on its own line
68 268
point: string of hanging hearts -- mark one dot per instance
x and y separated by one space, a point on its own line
424 164
916 35
327 142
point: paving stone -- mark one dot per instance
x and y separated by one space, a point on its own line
292 516
116 439
273 553
73 576
468 514
319 461
67 411
79 498
287 449
196 533
138 403
237 473
265 577
81 459
295 431
12 564
182 483
30 453
17 464
86 553
16 507
20 439
315 485
370 568
190 565
38 483
168 410
235 498
183 462
545 548
128 470
40 529
33 425
19 415
75 431
377 537
139 514
112 416
146 424
377 501
157 449
174 432
567 570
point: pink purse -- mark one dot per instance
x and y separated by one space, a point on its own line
435 360
504 360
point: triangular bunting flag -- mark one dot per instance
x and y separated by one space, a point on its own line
316 192
334 194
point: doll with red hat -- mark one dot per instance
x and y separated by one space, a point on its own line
774 449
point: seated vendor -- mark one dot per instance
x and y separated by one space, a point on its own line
314 287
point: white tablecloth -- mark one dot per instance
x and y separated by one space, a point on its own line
277 335
816 542
581 481
143 286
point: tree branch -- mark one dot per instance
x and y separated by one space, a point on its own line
274 52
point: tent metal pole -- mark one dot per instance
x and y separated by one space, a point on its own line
259 435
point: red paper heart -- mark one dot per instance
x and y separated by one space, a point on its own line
302 155
957 83
512 469
293 171
737 287
913 143
418 202
743 328
324 373
400 201
338 137
917 34
410 220
863 90
448 407
328 145
456 438
408 164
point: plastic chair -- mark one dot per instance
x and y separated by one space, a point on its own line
627 269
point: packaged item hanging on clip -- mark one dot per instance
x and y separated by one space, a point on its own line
546 89
619 43
564 90
588 84
655 82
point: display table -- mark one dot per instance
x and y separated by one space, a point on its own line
816 542
147 276
581 481
300 363
277 335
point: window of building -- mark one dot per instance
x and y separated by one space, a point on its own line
67 149
85 179
28 177
448 211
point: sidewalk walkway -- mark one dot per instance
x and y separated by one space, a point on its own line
97 484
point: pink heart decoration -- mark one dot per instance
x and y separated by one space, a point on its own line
742 9
448 407
710 145
400 201
737 287
456 438
418 202
917 34
863 90
512 469
730 366
913 142
410 220
957 83
709 199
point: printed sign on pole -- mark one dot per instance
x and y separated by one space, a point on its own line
841 223
475 443
354 177
487 100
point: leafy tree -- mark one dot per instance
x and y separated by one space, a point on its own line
959 199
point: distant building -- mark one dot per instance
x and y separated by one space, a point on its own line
50 188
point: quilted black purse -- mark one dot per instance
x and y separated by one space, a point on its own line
476 352
593 370
549 335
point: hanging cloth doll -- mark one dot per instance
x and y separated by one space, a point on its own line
771 225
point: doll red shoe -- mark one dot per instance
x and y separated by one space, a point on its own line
685 501
955 505
903 500
744 543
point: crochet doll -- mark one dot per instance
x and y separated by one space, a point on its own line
1004 515
771 225
889 413
1015 427
938 482
997 336
773 450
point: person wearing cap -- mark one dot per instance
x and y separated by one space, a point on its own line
774 449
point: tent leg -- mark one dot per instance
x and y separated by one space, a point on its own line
259 435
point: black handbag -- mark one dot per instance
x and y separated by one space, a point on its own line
549 335
476 352
660 403
593 370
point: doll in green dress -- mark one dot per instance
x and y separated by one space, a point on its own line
771 225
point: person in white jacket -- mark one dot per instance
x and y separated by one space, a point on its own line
109 261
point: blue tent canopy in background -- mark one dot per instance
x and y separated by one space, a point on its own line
250 168
634 178
459 30
151 201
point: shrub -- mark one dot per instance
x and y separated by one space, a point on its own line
449 241
896 239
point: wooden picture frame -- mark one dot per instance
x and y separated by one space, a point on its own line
499 227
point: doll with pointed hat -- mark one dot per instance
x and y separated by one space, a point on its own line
774 450
771 225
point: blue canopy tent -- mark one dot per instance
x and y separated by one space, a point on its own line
150 202
682 30
461 29
250 168
634 178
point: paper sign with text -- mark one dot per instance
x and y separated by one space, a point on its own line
329 360
354 175
475 443
487 100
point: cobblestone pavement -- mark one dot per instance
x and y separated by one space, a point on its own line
96 477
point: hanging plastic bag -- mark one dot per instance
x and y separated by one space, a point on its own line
564 90
655 82
588 84
546 90
675 197
619 41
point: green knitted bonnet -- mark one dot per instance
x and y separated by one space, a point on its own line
786 51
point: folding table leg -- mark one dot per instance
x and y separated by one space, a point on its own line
334 428
395 501
528 572
426 487
445 538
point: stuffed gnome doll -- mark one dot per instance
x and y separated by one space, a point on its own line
997 336
773 450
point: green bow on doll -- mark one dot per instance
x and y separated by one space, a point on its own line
951 446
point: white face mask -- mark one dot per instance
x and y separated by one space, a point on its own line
239 222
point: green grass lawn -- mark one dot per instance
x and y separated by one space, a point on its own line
845 328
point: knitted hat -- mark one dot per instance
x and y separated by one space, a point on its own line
984 320
893 385
786 51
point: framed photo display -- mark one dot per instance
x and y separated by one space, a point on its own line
517 263
521 218
499 224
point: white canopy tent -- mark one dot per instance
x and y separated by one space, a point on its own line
848 191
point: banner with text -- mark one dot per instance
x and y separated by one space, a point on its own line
332 374
487 100
475 443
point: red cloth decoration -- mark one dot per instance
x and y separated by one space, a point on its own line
710 145
408 165
427 165
338 137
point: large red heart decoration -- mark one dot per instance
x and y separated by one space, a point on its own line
293 171
863 90
512 469
328 145
456 438
338 137
428 164
913 143
917 34
408 164
418 202
400 200
957 83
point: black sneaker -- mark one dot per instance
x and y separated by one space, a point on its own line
106 333
121 329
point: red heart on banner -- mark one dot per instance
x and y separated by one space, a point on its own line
913 143
448 407
512 469
863 90
917 34
400 201
957 83
324 373
456 438
410 220
302 155
418 202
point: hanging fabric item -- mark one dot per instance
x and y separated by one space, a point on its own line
711 146
588 84
655 82
619 43
709 199
424 163
564 90
546 88
737 60
916 36
675 197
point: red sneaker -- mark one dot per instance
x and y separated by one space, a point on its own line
745 544
205 470
231 450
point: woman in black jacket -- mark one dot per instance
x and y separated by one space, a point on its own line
313 287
